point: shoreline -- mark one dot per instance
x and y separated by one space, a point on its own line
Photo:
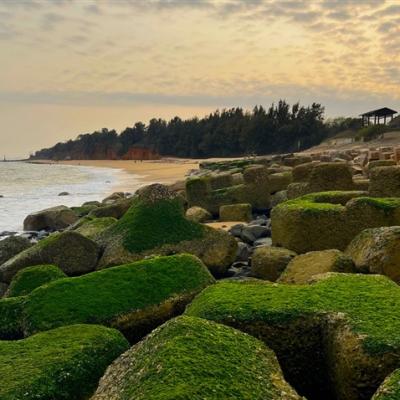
166 171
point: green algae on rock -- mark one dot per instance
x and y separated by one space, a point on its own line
191 358
133 298
235 212
64 364
336 338
156 225
91 228
329 220
30 278
390 388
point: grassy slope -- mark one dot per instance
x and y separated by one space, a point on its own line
65 363
371 304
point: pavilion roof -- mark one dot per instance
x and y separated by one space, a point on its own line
380 112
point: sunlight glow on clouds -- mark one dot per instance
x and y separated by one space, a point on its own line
141 54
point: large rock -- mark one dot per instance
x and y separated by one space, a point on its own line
50 219
155 225
329 220
64 363
335 339
302 268
91 228
269 262
385 181
134 298
11 246
377 251
191 358
72 252
115 210
235 212
198 214
30 278
390 388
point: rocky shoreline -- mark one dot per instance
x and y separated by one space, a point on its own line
295 297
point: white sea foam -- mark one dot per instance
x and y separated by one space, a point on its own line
32 187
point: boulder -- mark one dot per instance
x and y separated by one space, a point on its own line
3 289
155 225
50 219
278 198
329 220
302 268
269 262
134 298
250 233
91 228
385 181
279 181
72 252
31 278
64 363
337 338
11 246
390 388
198 214
63 194
113 197
377 251
301 172
191 358
235 212
83 210
115 210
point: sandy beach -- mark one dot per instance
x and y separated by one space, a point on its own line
164 171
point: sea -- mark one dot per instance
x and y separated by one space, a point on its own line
27 187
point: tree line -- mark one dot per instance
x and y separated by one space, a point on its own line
227 133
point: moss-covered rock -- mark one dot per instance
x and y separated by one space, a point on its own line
159 227
11 246
337 338
64 363
279 181
11 318
235 212
83 210
269 262
301 173
133 298
385 181
91 228
52 219
377 251
329 220
390 388
115 210
72 252
330 176
30 278
191 358
198 214
302 268
380 163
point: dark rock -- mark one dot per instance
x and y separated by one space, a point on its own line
243 252
3 289
116 210
63 194
267 241
52 219
251 233
236 230
70 251
11 246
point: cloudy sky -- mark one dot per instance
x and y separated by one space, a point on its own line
73 66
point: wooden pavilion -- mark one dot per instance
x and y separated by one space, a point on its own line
384 113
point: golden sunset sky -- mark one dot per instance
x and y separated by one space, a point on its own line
73 66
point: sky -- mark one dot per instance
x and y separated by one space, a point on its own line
74 66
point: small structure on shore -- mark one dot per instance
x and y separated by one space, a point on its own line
384 113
